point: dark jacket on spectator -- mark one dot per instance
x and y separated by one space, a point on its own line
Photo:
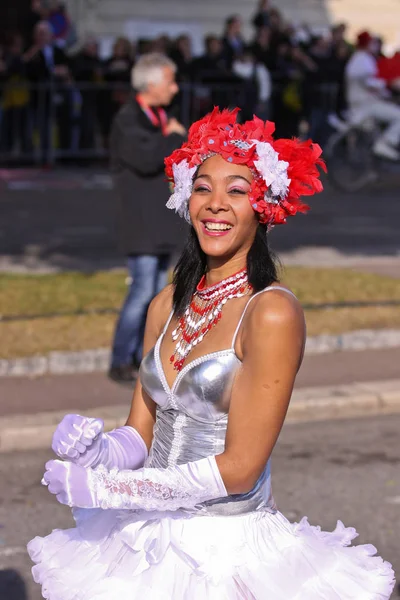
261 19
231 48
38 70
117 70
209 68
86 68
28 23
137 150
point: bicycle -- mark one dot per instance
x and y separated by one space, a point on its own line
352 164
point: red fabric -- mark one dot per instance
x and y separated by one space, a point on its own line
363 39
389 68
158 120
213 135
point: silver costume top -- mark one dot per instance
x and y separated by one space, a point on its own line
192 418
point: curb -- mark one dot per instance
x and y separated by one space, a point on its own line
56 363
360 399
34 432
88 361
362 339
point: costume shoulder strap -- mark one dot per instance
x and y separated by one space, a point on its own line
267 289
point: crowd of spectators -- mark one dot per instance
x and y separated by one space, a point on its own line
56 96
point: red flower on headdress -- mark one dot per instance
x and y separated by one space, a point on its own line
219 133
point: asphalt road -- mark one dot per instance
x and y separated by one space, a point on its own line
346 470
67 220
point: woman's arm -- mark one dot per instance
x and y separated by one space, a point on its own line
271 347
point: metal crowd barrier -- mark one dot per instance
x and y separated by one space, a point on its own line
47 123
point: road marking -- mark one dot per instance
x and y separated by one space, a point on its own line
393 499
5 552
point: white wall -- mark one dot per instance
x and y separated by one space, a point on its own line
116 17
110 18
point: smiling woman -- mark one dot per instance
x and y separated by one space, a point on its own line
226 232
184 489
218 192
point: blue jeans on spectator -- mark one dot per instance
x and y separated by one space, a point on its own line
149 276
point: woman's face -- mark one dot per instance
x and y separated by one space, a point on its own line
220 210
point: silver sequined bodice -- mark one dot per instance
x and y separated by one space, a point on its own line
192 419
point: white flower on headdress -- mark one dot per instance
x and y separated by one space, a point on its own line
183 185
273 171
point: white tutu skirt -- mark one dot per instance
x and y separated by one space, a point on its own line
126 555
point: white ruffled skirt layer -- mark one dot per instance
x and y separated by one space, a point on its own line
125 555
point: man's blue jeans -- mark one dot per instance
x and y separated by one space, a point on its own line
149 276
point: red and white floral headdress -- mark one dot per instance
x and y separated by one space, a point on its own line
283 170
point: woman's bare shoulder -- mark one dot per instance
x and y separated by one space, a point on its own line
274 312
279 302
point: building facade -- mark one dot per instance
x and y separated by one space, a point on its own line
148 18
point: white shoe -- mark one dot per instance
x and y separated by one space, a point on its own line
384 150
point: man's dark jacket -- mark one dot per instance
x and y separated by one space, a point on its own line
38 70
138 149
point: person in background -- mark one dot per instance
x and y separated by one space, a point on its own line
338 38
162 44
116 73
211 72
47 68
256 86
211 64
232 41
144 46
15 122
340 54
261 18
276 26
286 100
368 97
35 13
181 54
148 234
261 46
320 87
389 70
118 67
87 69
3 75
63 30
378 43
3 67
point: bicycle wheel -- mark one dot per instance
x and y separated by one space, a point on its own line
351 162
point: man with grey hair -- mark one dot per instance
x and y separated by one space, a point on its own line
142 135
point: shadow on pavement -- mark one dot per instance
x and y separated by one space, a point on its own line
66 220
12 585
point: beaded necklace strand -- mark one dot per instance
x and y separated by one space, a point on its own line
204 312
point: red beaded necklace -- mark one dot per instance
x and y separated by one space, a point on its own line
205 311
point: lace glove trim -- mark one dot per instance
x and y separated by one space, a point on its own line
181 486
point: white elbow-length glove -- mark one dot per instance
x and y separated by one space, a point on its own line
81 440
180 486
